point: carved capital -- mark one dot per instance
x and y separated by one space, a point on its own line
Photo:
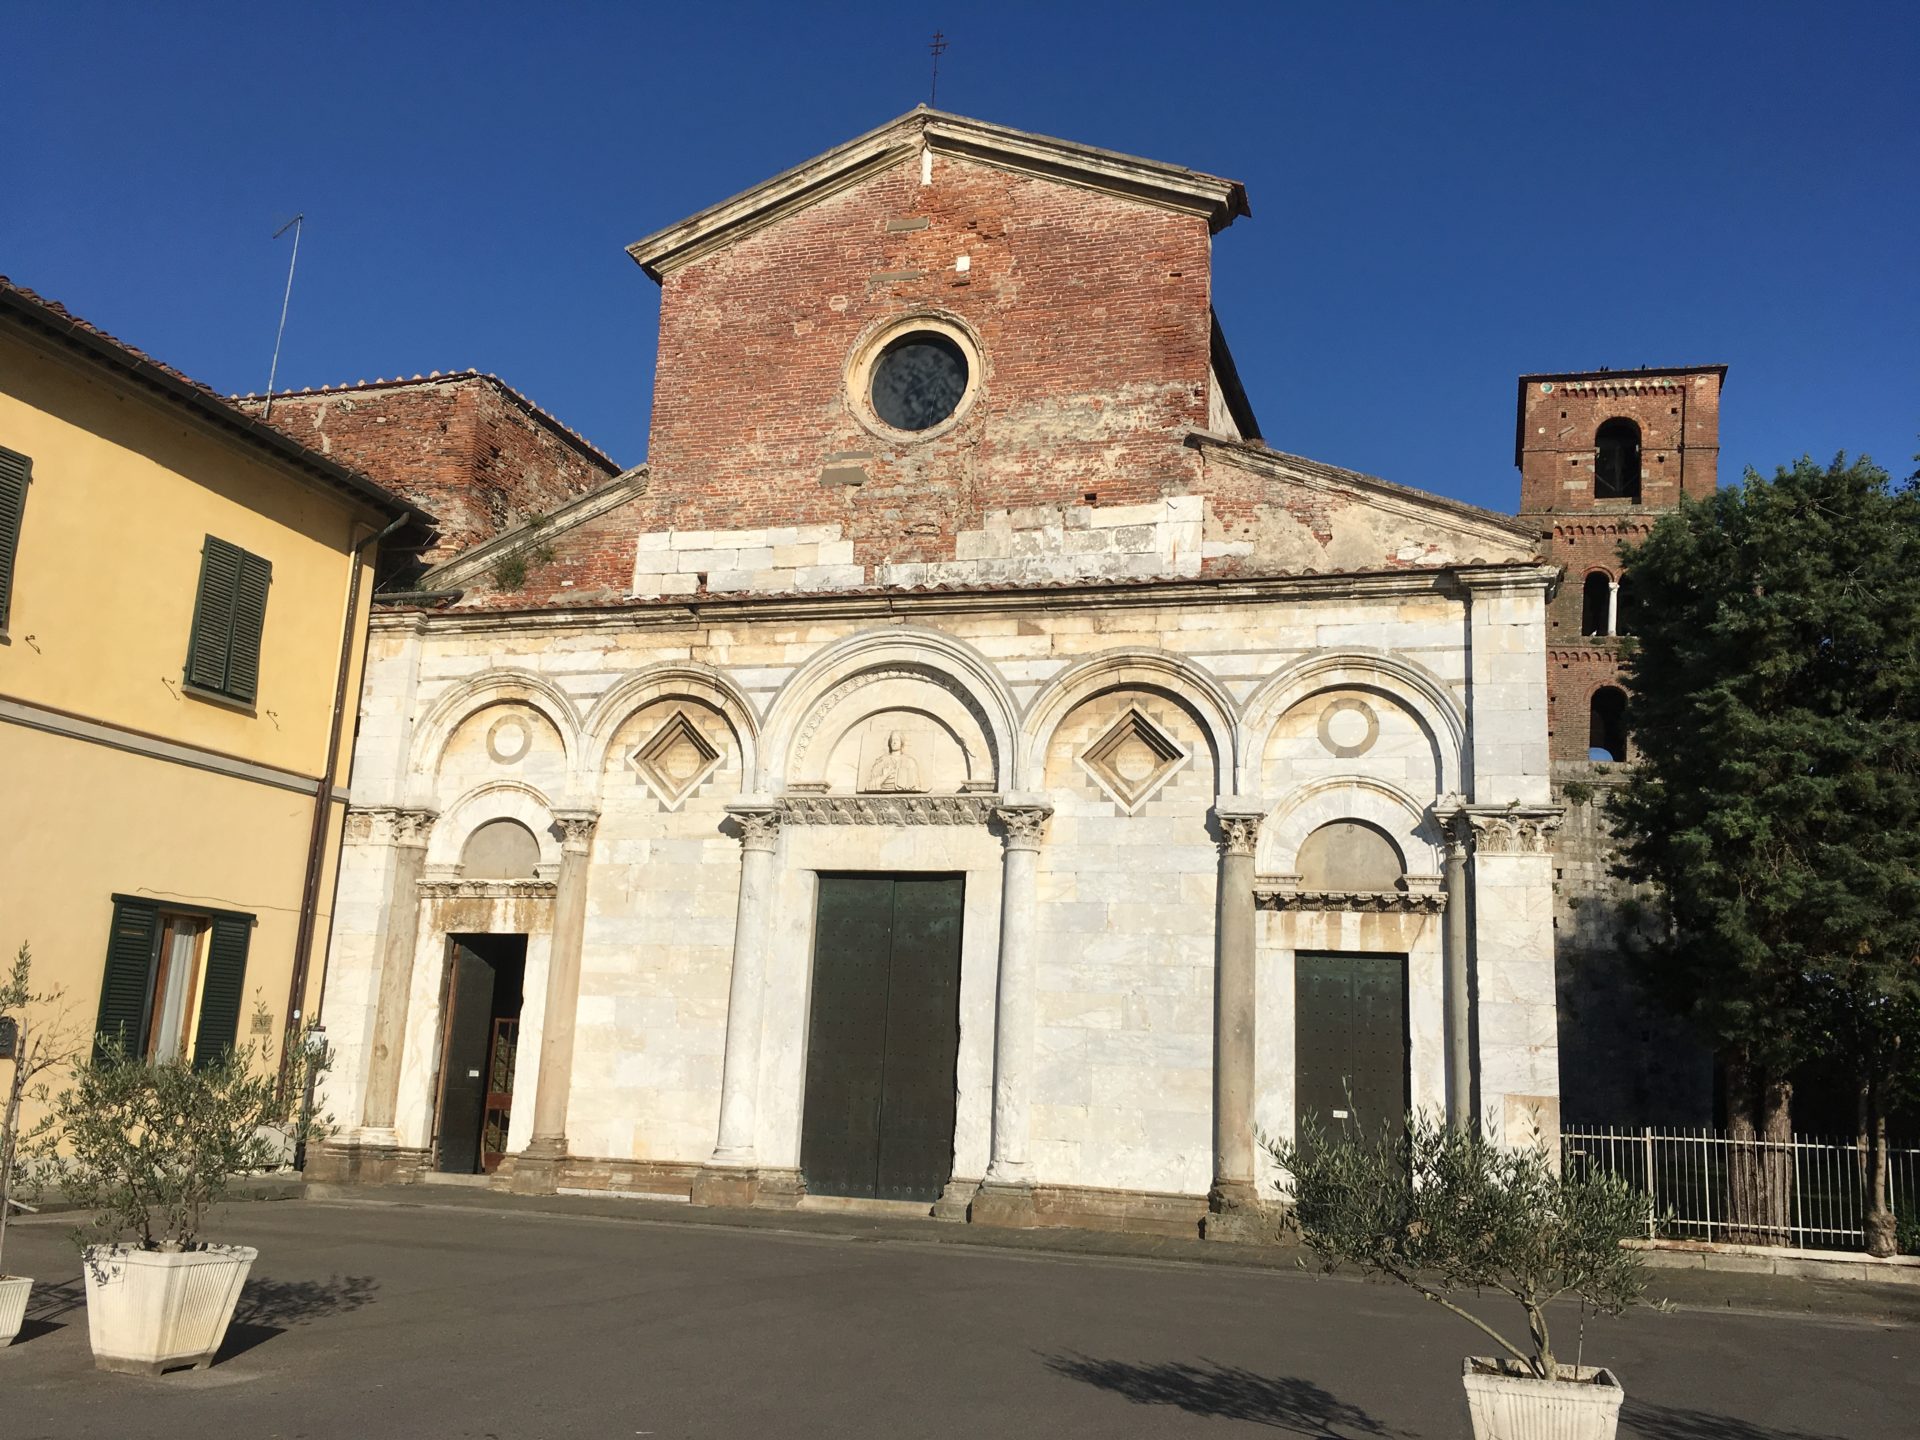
388 825
1023 824
759 825
576 829
1239 831
1513 829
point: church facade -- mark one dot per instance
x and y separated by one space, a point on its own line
967 766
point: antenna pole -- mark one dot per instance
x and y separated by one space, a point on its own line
273 370
937 49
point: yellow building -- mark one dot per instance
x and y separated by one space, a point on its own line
183 607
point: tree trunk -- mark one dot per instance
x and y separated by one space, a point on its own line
1759 1155
1881 1232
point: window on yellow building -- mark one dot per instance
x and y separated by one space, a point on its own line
229 614
15 471
174 980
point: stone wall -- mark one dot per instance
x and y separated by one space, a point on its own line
1136 718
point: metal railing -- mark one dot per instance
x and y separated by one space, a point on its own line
1807 1192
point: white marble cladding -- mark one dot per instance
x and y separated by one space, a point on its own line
1037 544
1376 699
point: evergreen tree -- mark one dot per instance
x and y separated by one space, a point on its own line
1775 714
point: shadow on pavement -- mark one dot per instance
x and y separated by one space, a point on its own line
276 1304
1661 1422
33 1329
1228 1392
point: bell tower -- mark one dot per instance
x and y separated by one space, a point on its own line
1602 455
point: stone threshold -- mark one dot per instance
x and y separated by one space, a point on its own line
842 1221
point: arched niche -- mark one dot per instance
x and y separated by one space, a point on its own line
893 730
1348 730
1171 677
456 706
811 712
675 748
1405 821
1350 855
503 740
496 800
1128 748
500 849
1386 683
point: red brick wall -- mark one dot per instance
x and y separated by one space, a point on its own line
1679 420
1092 318
464 448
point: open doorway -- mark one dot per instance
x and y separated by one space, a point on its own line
479 1040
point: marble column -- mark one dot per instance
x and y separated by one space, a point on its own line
1006 1195
1458 831
1234 1211
400 919
730 1176
536 1170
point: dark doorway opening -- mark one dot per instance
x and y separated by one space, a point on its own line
479 1041
1607 725
1350 1042
884 1037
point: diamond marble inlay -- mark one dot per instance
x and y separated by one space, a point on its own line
676 760
1133 759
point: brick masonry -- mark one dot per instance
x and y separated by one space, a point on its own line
469 449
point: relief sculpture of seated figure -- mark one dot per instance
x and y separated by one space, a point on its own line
896 772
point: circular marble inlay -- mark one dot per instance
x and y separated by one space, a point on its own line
509 739
1348 727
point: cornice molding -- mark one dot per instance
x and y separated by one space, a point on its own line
888 809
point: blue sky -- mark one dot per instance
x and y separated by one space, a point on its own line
1444 196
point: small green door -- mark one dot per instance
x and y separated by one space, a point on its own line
884 1037
1350 1041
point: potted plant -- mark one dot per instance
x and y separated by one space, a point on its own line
34 1042
149 1148
1445 1211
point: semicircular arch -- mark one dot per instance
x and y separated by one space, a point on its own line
1160 671
1384 806
941 658
1413 686
495 800
670 681
494 687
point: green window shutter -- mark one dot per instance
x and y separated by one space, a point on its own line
212 636
221 991
15 470
126 991
249 621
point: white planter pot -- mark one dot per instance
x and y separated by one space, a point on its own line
148 1311
1509 1404
14 1290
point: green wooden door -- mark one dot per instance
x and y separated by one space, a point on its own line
1350 1041
884 1036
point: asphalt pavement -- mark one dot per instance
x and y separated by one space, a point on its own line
428 1314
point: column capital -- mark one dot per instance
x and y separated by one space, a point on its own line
1239 829
1024 821
389 825
759 822
1506 829
576 829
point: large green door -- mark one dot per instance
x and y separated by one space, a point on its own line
884 1037
1350 1041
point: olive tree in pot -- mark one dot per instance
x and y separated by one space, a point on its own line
150 1147
33 1040
1446 1211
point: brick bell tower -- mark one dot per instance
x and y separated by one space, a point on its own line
1602 455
